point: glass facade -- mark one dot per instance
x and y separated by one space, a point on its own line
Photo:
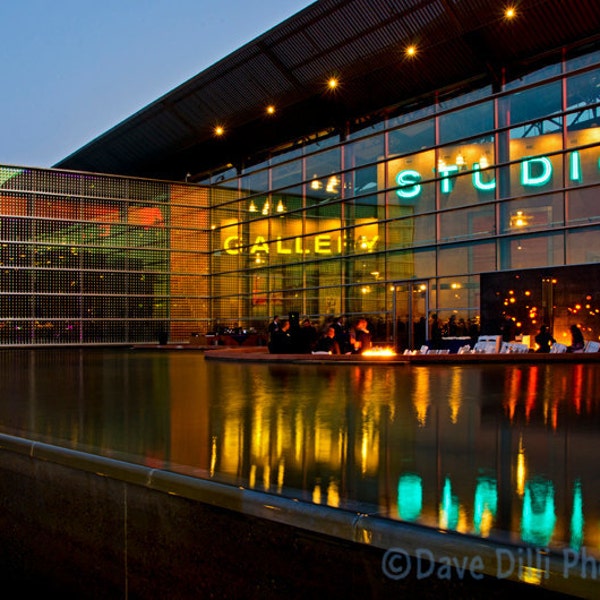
90 259
396 221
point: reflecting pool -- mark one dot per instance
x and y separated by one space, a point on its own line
503 452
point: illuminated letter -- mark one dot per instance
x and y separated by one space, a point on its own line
299 249
260 245
479 184
280 248
231 241
408 182
322 244
575 166
445 172
527 178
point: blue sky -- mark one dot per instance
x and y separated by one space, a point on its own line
72 69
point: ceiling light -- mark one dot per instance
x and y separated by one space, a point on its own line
219 130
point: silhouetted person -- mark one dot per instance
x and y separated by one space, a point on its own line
328 343
281 341
577 341
544 339
272 328
362 337
307 337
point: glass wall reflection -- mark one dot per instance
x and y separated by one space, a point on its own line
497 451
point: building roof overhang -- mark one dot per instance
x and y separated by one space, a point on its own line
363 43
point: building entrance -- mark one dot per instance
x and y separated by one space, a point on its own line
411 314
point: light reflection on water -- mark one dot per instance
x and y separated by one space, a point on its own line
499 451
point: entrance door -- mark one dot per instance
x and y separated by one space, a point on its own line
411 312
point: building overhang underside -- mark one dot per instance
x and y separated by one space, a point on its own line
459 43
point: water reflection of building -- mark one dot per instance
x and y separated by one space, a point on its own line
437 447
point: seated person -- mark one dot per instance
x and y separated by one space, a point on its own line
577 341
328 343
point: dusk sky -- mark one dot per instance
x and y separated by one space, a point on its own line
72 69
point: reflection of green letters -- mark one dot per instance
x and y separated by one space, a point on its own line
543 177
409 184
479 184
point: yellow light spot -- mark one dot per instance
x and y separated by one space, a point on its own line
510 12
219 130
411 50
332 83
270 109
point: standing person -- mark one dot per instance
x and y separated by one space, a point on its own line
272 329
577 341
544 339
281 342
307 337
362 336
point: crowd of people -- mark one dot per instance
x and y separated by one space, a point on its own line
336 336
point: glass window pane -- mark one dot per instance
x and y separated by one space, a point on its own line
412 138
363 152
461 258
582 246
470 223
583 205
529 214
522 252
410 231
466 123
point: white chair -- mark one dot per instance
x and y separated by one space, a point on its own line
557 348
464 349
490 344
424 349
591 347
518 347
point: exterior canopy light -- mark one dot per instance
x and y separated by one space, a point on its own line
410 51
333 83
219 130
270 109
510 13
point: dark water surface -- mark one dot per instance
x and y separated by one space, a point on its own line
505 452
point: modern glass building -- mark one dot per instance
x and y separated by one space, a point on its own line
466 196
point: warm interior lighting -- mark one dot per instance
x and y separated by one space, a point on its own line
219 130
280 207
252 207
315 184
411 50
270 109
519 219
484 163
510 12
460 160
332 83
266 208
332 185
